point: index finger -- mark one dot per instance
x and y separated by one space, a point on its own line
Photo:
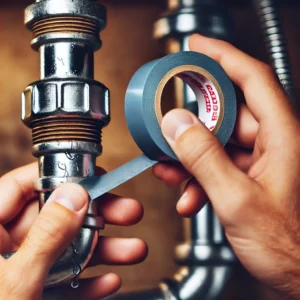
16 190
264 95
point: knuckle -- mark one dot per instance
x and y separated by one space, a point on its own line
51 228
201 155
266 73
242 201
266 69
45 231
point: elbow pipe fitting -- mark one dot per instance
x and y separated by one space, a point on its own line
206 262
155 294
194 283
66 110
189 283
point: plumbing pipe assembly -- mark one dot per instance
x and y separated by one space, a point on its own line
67 110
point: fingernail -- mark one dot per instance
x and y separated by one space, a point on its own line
182 201
175 123
69 196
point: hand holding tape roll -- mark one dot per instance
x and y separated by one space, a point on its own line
216 102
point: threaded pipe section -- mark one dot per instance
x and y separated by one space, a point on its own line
67 24
50 130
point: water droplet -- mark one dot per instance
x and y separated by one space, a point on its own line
70 156
76 269
75 250
75 283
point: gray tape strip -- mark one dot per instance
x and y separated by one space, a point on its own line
99 185
216 97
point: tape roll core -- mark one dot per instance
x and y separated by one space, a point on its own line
207 91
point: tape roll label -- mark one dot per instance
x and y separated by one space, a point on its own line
207 96
207 91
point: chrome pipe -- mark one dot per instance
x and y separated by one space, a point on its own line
66 110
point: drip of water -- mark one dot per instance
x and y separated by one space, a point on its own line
70 156
76 268
75 250
75 283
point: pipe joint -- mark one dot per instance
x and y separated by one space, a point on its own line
66 111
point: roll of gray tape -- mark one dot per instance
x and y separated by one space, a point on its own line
216 102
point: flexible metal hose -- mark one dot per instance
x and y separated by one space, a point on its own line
268 11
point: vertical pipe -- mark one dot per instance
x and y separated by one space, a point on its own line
210 18
66 111
204 231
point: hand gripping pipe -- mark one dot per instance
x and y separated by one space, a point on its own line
66 110
205 257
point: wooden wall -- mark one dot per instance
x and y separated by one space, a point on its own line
127 45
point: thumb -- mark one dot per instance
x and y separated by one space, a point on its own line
204 157
55 227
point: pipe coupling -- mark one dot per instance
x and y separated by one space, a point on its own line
66 110
73 109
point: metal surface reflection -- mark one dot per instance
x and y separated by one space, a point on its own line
66 110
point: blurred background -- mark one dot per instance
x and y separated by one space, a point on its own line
128 43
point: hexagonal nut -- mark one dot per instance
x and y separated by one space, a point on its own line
65 97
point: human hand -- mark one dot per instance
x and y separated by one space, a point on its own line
255 194
41 239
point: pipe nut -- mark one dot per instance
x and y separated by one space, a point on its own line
209 20
64 98
55 8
